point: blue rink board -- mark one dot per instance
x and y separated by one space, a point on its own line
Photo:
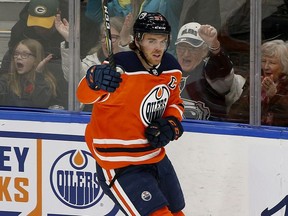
210 127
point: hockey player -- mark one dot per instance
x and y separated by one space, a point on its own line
135 114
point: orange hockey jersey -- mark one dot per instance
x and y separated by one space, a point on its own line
115 133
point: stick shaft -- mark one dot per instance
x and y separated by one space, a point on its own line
107 26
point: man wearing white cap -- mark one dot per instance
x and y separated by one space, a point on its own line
209 85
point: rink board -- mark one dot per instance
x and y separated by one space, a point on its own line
224 169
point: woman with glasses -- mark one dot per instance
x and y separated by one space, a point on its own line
120 32
29 83
209 85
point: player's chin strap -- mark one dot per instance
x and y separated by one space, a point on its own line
154 71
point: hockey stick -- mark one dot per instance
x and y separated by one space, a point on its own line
107 26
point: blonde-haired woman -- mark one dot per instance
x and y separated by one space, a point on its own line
274 87
29 83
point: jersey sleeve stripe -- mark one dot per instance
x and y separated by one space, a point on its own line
120 141
127 158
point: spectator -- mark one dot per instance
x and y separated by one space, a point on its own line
209 85
29 83
274 89
120 32
171 9
40 26
37 22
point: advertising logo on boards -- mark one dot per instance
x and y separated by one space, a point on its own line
73 181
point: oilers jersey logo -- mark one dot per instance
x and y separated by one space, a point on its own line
154 104
72 181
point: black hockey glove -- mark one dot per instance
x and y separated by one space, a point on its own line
163 130
103 77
